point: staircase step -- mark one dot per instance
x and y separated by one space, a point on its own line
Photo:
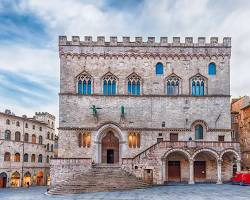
102 177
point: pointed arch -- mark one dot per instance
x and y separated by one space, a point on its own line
173 84
134 84
84 83
198 85
109 84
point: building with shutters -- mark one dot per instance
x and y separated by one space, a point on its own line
26 147
158 109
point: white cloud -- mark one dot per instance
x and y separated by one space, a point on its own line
152 18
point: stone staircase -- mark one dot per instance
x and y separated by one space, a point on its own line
102 177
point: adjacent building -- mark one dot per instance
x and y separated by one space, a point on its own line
160 110
26 147
240 111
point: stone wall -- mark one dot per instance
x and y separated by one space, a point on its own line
62 169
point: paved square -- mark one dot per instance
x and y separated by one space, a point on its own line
192 192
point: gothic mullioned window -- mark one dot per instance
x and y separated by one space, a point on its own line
198 83
212 69
134 140
109 84
172 85
17 157
134 84
84 83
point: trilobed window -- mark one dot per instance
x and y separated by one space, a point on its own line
172 85
109 84
84 83
134 84
134 140
198 84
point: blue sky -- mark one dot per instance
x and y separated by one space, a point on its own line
29 29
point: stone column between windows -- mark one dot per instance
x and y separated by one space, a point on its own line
219 181
191 171
238 164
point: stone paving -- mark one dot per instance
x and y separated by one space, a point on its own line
180 192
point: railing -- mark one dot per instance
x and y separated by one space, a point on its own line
186 144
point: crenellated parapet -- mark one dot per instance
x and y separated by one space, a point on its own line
137 47
139 41
45 114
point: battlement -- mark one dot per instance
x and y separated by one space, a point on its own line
139 41
45 114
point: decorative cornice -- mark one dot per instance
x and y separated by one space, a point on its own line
124 128
143 95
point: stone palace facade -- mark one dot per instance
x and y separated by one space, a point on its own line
159 110
26 147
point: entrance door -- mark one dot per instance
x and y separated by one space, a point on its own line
3 181
148 176
200 170
110 156
174 171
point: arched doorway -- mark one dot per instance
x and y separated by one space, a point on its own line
229 164
39 178
27 179
3 180
205 166
110 148
177 166
15 180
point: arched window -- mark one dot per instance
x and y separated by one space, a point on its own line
212 69
198 132
40 158
172 85
51 148
85 139
134 84
40 139
7 135
25 157
198 85
33 158
47 159
26 125
17 123
40 128
159 68
17 136
26 137
7 156
7 121
52 136
109 84
134 140
48 147
48 135
17 157
33 139
84 83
